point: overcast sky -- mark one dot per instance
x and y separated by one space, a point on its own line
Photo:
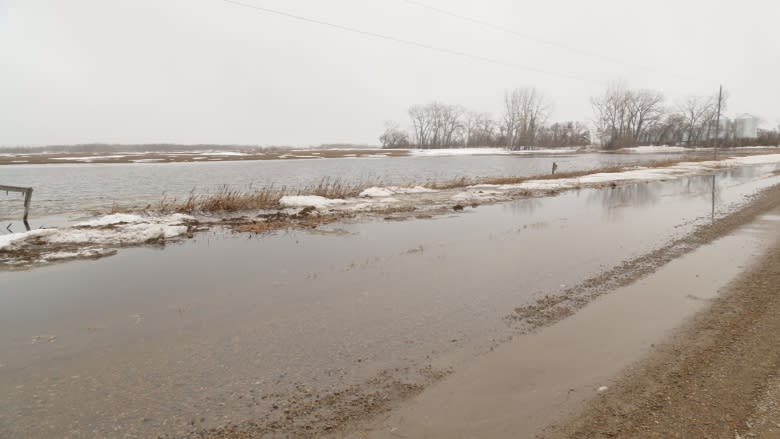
208 71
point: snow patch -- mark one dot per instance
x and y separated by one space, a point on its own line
656 149
639 174
12 240
377 192
222 153
487 151
374 192
89 238
309 201
412 190
90 158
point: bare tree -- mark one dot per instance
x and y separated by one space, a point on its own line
624 116
437 125
525 111
698 113
645 110
478 129
421 124
564 134
610 110
394 136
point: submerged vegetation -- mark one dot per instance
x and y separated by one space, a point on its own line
227 199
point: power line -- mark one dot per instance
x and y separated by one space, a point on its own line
535 38
410 42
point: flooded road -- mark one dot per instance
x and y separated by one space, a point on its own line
75 189
223 327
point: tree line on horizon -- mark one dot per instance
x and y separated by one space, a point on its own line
622 117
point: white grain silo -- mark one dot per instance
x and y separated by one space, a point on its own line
746 126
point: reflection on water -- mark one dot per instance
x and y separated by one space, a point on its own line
712 210
76 188
615 200
525 206
153 339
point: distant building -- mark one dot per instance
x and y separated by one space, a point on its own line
745 126
723 129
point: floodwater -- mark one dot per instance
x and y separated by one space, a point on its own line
78 188
163 341
531 382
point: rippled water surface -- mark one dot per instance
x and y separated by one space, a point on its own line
158 341
79 188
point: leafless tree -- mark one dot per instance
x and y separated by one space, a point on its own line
437 125
421 124
478 129
525 111
698 113
623 116
394 136
564 134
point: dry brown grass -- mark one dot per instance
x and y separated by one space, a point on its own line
227 199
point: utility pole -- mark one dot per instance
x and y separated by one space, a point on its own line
717 124
715 150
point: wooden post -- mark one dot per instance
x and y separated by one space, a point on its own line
27 191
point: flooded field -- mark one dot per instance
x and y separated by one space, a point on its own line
73 189
226 328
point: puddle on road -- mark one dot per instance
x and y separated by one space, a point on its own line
532 382
153 338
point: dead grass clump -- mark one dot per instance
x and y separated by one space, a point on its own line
227 199
336 188
231 200
224 199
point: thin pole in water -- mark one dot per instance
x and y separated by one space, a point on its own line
717 124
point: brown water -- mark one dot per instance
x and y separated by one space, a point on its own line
152 339
533 381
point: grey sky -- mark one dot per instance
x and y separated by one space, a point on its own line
206 71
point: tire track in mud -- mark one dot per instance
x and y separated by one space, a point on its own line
717 377
552 308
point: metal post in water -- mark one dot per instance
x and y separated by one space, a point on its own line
717 125
27 191
27 198
712 212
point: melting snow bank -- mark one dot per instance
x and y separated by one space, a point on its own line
90 239
376 192
636 175
487 151
657 149
309 201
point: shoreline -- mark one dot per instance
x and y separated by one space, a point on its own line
268 210
211 156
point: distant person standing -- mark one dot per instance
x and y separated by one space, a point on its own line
555 167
